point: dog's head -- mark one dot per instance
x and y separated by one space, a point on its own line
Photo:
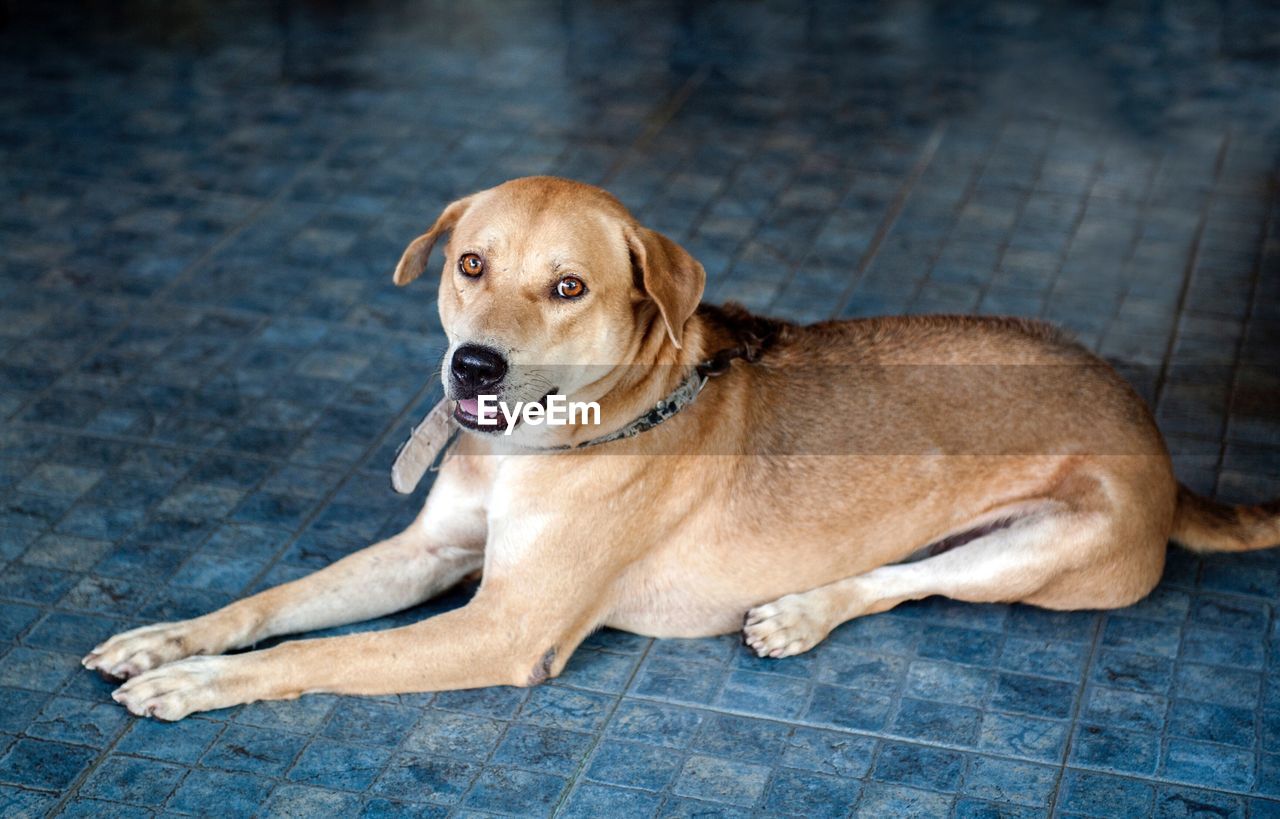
548 285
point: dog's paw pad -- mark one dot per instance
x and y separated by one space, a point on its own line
787 626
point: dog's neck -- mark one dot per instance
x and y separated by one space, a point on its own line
658 368
656 371
655 368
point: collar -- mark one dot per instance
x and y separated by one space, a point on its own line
430 442
679 398
749 350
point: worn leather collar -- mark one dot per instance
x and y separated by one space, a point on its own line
428 446
749 350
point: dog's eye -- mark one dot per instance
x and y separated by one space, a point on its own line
470 265
570 287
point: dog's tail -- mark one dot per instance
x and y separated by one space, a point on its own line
1202 525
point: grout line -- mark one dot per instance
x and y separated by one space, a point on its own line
1188 273
882 737
576 778
158 298
1073 232
322 503
1019 212
154 300
1077 705
658 120
1126 264
793 722
727 181
956 216
845 189
1255 278
1268 646
717 280
890 218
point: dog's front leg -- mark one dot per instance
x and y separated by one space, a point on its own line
443 545
499 638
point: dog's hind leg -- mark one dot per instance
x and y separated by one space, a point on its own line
1059 559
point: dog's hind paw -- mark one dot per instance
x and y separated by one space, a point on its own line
789 625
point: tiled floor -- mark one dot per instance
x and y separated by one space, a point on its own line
204 370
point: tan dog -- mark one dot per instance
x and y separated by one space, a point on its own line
854 466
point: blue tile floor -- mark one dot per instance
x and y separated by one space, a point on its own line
204 371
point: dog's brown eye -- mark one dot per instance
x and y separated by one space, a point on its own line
570 287
470 265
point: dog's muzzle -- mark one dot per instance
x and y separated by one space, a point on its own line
475 370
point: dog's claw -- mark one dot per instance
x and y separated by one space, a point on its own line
109 677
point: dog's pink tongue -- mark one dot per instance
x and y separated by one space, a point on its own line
471 406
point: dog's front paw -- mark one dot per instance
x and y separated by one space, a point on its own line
180 688
789 625
131 653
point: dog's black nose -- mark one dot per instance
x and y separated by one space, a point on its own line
477 367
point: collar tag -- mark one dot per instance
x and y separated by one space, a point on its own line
416 455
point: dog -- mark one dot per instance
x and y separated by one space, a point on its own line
746 475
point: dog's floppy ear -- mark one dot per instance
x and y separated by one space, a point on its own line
415 257
668 275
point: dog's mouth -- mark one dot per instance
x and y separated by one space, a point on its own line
466 412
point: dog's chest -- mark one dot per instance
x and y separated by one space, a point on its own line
659 606
685 587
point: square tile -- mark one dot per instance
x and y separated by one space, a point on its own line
832 752
880 799
425 779
811 794
82 722
182 742
455 735
721 780
253 750
133 781
507 790
540 748
1093 794
1115 749
919 766
330 765
301 801
590 801
1005 781
45 765
1208 765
